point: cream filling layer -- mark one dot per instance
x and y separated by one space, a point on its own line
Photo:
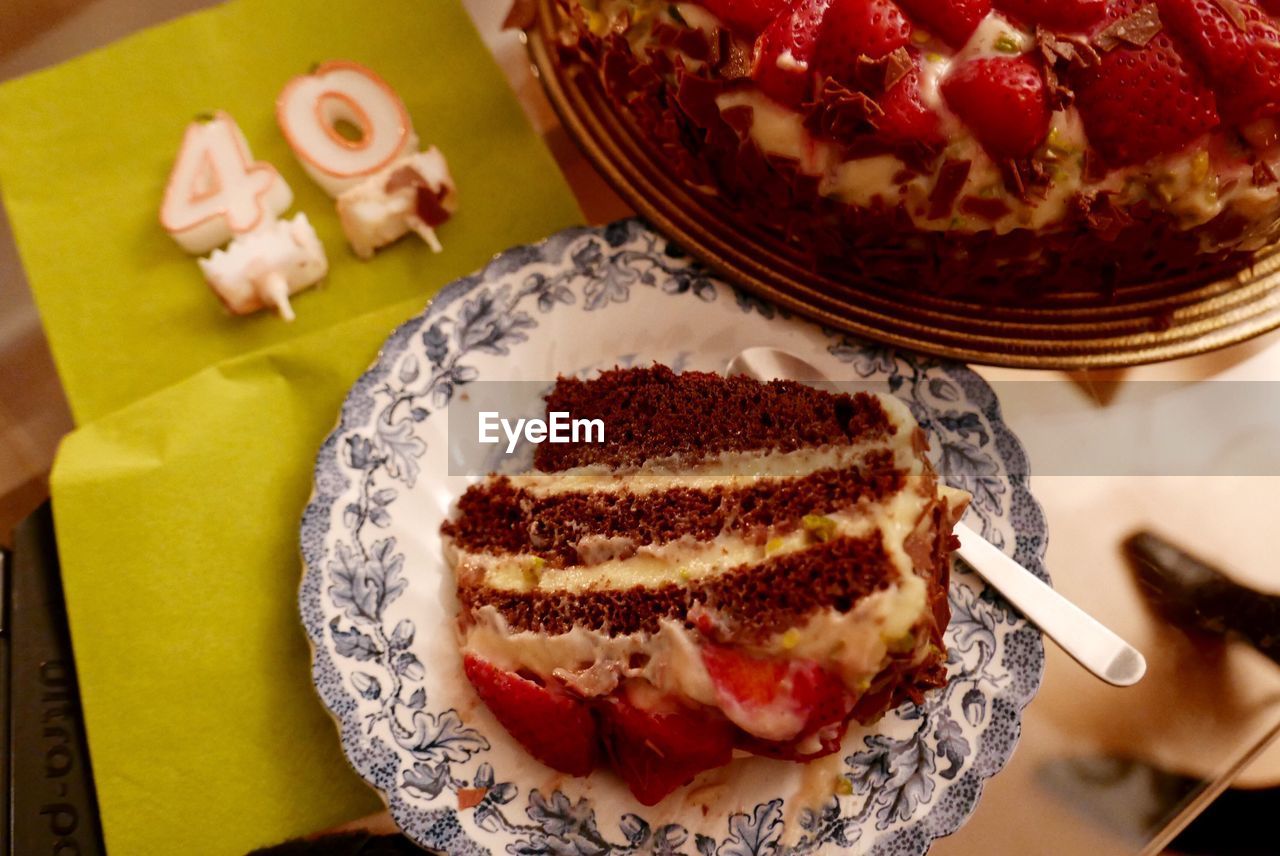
855 646
730 470
687 560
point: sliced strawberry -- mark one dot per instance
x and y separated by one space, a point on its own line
746 17
1063 16
822 694
784 53
1140 102
953 20
775 699
1003 102
906 118
657 751
553 727
1241 62
855 28
747 680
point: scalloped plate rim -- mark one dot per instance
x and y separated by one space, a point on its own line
315 521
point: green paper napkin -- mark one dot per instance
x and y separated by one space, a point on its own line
177 524
86 149
177 502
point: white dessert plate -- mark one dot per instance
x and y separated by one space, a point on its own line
378 606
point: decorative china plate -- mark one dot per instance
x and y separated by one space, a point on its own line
378 606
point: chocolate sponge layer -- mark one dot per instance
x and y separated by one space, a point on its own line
654 413
755 600
501 518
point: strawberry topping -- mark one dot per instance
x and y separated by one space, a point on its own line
952 20
1063 16
654 743
1142 101
858 28
553 727
778 700
1239 53
746 17
657 751
906 119
1003 102
784 52
1148 93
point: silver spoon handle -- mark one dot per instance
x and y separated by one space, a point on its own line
1088 641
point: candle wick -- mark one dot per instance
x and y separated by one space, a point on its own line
276 290
426 233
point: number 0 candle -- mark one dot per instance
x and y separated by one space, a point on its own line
353 135
344 123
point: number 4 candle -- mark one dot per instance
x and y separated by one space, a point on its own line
216 190
352 134
218 193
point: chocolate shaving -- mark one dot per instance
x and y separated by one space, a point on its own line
988 209
1059 95
693 43
1135 30
1232 10
897 65
1013 179
1074 50
839 113
1263 174
1022 175
1065 51
521 15
659 63
919 155
696 96
1099 211
877 75
951 178
1093 167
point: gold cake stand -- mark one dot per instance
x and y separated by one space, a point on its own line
1139 324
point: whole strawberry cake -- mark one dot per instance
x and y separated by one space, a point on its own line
1004 148
666 598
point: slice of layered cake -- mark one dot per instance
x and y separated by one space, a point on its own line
738 566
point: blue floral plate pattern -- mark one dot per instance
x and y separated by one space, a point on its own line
377 601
